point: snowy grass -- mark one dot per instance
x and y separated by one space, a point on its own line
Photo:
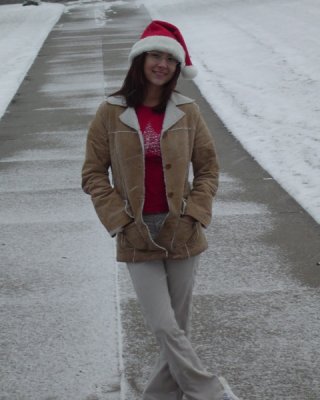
258 68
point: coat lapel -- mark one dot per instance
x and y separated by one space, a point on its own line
129 118
172 114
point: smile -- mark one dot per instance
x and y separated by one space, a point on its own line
160 73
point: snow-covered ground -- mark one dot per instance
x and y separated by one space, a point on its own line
22 33
258 67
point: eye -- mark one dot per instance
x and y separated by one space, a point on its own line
155 55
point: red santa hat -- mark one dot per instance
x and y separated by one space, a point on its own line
163 36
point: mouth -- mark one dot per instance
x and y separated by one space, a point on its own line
159 74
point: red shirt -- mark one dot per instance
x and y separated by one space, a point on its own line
155 191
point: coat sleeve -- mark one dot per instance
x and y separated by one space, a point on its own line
108 204
206 174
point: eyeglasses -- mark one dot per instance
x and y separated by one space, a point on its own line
157 57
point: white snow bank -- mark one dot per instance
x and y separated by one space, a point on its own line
22 33
258 65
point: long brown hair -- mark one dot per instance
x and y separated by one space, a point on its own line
135 84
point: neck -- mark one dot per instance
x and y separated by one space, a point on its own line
153 96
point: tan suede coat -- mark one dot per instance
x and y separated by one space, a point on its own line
115 143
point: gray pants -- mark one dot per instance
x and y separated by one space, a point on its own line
164 290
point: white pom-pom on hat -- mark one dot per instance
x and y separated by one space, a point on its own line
163 36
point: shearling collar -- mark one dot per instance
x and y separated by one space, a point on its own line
172 114
177 98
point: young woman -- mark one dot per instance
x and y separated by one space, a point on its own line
148 135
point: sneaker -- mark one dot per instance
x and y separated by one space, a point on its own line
228 393
31 3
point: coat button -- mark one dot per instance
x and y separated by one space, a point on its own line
170 194
168 166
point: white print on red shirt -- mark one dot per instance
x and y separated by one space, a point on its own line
151 140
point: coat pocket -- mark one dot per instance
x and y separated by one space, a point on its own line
132 238
185 233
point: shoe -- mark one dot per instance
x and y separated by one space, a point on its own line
31 3
227 393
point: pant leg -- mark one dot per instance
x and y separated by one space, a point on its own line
180 279
149 280
151 285
161 382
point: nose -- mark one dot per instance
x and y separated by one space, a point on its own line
163 62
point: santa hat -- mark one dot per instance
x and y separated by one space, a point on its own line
162 36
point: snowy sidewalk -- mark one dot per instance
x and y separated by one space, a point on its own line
256 305
59 310
257 293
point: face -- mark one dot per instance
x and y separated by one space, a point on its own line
159 67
